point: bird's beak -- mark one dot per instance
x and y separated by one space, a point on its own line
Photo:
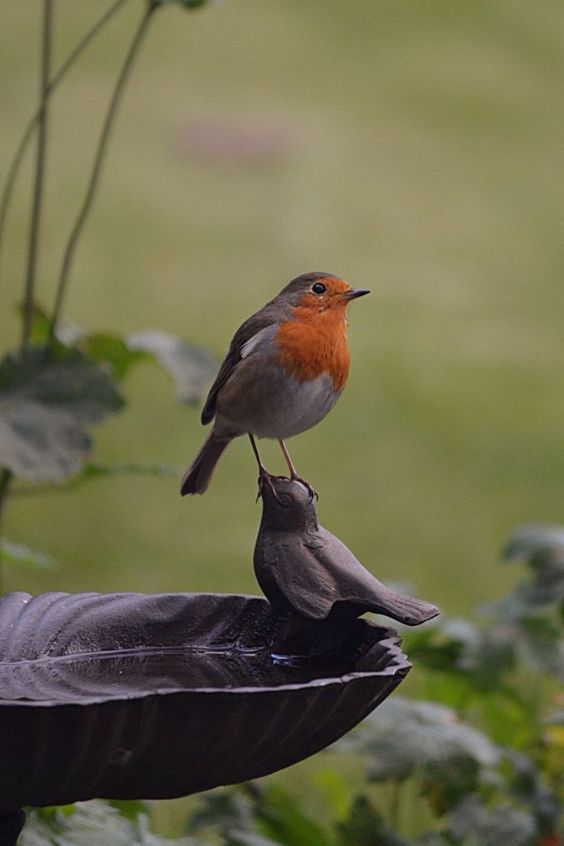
355 292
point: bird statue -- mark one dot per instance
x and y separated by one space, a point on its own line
285 369
305 571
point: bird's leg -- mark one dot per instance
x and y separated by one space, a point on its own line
265 478
294 473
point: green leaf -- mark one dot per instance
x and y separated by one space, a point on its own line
405 737
111 351
192 368
529 786
457 646
18 553
285 822
94 471
479 825
365 826
542 644
92 824
225 810
543 547
48 399
528 541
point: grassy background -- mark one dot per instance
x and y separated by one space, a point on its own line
415 149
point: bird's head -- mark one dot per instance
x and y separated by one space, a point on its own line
320 292
287 505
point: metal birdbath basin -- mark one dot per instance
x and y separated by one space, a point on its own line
156 696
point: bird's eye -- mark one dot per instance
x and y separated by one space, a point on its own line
318 288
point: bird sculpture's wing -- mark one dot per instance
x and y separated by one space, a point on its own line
292 570
357 587
316 573
244 335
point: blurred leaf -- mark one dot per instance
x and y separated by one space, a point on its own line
249 838
406 737
47 400
129 808
528 784
192 368
365 826
478 825
283 820
532 540
18 553
112 351
191 4
543 547
94 823
94 471
336 789
542 644
225 810
454 645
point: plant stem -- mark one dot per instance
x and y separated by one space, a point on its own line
28 131
5 480
395 805
37 200
97 166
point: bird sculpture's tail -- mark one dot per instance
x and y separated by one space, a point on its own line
198 476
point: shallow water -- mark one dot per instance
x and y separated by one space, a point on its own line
136 672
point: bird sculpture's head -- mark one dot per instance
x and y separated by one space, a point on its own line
287 505
320 292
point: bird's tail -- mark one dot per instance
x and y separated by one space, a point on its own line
198 476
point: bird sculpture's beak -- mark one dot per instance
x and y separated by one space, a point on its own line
355 292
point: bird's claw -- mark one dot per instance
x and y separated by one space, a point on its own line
266 479
311 491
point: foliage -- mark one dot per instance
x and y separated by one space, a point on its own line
488 771
94 823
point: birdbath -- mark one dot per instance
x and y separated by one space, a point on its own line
134 696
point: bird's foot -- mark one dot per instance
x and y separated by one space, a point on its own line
312 492
266 479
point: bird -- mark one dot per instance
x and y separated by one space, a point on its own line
307 572
286 367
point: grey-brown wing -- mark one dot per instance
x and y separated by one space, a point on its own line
295 569
266 317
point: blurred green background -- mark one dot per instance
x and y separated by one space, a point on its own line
412 148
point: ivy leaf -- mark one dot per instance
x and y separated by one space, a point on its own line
476 824
48 399
17 553
192 368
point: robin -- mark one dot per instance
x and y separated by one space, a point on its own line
306 571
285 370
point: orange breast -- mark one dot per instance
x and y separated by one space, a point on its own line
313 344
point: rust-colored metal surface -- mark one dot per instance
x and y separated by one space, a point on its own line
137 696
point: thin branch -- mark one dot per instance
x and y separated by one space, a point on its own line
37 200
6 196
97 166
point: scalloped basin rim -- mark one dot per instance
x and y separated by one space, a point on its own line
135 727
